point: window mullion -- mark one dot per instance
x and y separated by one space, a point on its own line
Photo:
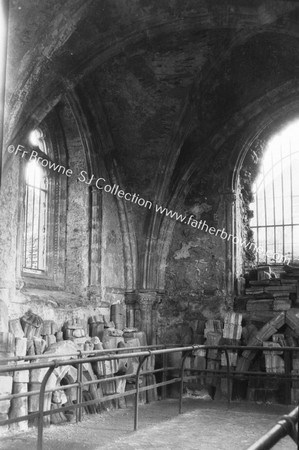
257 222
274 209
265 210
35 217
33 223
26 223
38 234
282 202
292 211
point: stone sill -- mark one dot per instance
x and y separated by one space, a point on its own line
50 297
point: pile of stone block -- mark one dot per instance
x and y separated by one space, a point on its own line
31 335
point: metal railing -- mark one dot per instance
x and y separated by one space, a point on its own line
143 353
99 355
284 427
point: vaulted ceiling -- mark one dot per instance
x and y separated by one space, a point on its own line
162 69
180 85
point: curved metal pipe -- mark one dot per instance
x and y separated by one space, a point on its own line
41 407
137 390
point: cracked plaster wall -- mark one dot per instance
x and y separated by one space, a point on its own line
195 278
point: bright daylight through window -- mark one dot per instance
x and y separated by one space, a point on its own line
36 200
276 198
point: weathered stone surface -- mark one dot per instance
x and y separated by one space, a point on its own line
5 384
20 346
19 407
165 108
16 328
62 349
3 317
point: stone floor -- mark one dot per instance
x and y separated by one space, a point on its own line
203 425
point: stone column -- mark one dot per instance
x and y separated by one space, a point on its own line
142 312
131 299
95 242
229 198
148 302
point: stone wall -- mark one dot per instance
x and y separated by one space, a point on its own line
69 292
9 204
195 284
78 212
164 99
113 283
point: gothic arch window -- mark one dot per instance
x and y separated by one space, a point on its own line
42 233
275 208
36 211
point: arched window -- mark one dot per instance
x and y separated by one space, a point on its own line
36 211
276 199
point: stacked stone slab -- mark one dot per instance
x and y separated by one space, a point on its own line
31 324
138 338
106 369
74 330
58 400
6 384
269 301
232 332
31 335
19 406
111 338
96 326
273 360
232 326
95 391
118 316
48 332
15 328
267 295
213 333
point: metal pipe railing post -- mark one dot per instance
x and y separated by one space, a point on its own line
227 375
287 362
136 410
184 356
80 391
164 376
41 407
